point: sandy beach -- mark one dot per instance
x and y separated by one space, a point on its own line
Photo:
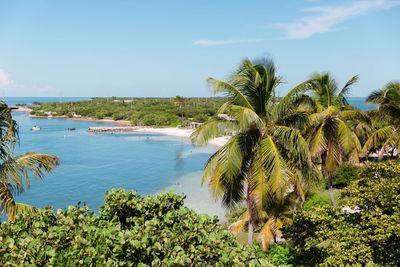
179 132
182 132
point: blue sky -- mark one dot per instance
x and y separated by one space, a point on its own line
168 48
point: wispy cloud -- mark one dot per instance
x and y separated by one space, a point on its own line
5 79
208 42
13 88
325 18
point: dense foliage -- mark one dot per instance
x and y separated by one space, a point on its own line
130 231
344 174
368 234
139 111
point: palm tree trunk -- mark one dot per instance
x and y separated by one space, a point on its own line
330 189
251 232
250 208
181 116
381 153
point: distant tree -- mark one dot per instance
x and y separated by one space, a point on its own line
180 103
388 135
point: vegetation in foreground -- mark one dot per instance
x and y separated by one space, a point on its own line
139 111
130 230
367 233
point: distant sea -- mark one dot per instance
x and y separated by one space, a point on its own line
12 101
91 164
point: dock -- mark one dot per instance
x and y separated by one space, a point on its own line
115 129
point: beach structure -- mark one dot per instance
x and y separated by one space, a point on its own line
194 124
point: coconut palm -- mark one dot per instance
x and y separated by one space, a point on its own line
180 103
266 158
15 171
275 215
387 134
328 132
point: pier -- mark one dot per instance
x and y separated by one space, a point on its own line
115 129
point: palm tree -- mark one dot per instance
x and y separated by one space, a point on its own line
15 171
387 134
266 158
275 215
328 132
180 103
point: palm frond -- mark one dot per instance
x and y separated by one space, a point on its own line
231 91
267 234
238 227
341 97
20 208
212 128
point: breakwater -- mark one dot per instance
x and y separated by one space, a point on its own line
116 129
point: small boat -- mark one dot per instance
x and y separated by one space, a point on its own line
35 128
71 129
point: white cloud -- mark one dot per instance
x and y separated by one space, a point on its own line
207 42
325 18
5 79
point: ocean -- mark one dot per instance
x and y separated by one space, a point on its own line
92 164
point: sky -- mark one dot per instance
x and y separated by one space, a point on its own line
167 48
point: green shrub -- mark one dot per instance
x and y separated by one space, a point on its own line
345 174
200 118
130 231
317 200
384 169
280 255
371 235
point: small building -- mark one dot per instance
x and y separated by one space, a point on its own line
194 124
50 113
225 117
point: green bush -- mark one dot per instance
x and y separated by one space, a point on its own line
344 175
317 200
369 235
384 169
280 255
200 118
130 231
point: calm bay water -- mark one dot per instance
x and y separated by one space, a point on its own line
91 164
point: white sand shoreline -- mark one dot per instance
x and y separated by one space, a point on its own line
181 132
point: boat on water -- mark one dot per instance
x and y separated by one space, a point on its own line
35 128
71 129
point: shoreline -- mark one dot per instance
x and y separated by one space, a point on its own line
198 197
177 132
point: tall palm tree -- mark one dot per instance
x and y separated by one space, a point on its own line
266 157
387 134
180 103
15 171
328 132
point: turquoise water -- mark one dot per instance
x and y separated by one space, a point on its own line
91 164
359 102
